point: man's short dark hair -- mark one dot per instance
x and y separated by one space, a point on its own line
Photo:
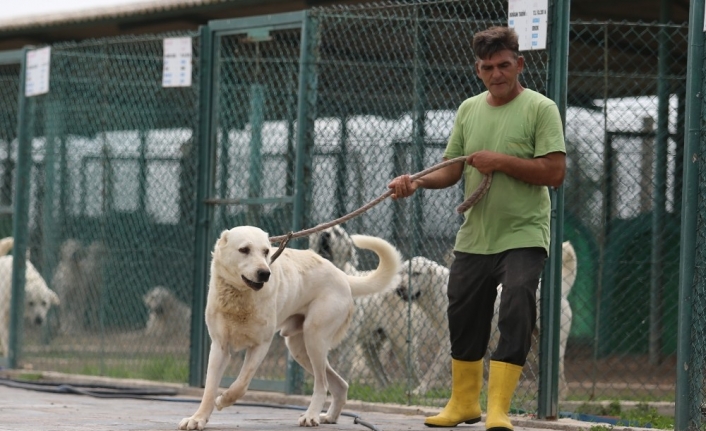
493 40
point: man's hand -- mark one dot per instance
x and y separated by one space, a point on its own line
486 162
547 170
402 186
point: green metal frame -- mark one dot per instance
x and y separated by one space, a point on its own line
205 195
548 397
690 200
204 214
6 58
20 222
11 57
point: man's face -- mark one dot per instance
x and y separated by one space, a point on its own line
499 74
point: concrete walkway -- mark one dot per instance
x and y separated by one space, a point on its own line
31 410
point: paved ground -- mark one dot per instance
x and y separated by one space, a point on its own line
31 410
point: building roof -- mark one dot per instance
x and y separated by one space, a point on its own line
155 16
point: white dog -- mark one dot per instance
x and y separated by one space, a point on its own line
38 297
380 325
426 281
78 279
302 294
169 317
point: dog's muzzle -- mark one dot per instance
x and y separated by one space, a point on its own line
403 293
263 276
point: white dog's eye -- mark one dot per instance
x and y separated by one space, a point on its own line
266 252
244 250
31 303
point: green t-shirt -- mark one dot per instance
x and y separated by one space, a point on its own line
513 214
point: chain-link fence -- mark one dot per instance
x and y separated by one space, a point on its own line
624 132
691 384
390 79
111 212
305 119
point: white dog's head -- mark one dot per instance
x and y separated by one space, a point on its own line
336 245
421 277
157 300
241 257
38 297
71 251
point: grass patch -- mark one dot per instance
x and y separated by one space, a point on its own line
30 377
167 369
163 368
642 415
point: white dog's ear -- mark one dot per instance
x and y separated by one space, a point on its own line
54 298
223 239
441 271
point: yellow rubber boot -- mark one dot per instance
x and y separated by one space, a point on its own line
464 405
502 381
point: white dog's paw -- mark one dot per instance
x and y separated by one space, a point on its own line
308 421
219 403
193 423
326 419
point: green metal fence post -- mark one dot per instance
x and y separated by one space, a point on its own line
418 125
204 213
548 396
305 124
257 119
659 191
684 406
304 148
20 221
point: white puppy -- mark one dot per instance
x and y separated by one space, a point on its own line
301 294
38 297
380 329
169 318
425 281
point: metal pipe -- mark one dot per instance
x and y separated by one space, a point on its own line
548 398
20 221
684 407
659 190
204 143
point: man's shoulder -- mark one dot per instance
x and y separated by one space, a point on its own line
538 98
473 100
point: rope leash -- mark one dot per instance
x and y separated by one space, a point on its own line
463 207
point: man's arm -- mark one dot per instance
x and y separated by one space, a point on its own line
447 176
548 170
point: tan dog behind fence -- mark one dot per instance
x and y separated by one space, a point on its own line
169 318
425 282
78 280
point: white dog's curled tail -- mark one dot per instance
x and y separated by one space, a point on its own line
6 245
384 275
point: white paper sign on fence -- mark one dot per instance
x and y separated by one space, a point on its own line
529 19
177 62
37 71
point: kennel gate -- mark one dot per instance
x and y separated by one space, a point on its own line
251 127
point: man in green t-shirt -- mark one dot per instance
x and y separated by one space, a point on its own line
515 135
